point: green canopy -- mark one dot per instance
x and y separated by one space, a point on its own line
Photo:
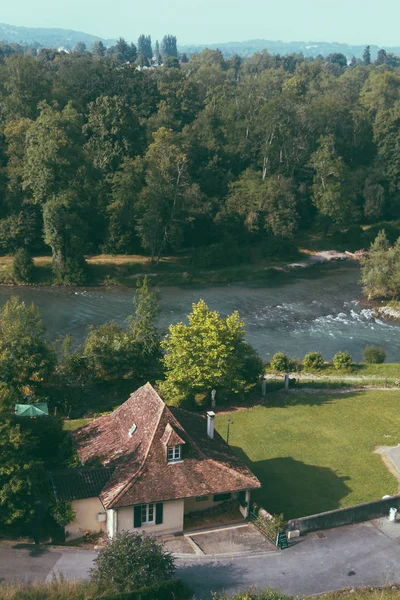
32 410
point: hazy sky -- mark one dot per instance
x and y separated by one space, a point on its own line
351 21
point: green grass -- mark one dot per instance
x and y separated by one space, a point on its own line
72 424
314 452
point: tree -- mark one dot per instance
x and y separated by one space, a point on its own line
22 475
167 197
98 49
143 321
157 53
110 352
208 353
169 47
381 58
338 58
131 561
80 48
267 205
125 52
330 195
23 266
122 211
64 232
376 268
113 131
367 56
144 47
26 359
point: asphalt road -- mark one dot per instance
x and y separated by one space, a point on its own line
359 555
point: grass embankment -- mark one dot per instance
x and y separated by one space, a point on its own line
362 374
110 270
313 452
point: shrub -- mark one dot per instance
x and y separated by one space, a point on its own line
374 355
342 360
131 561
22 267
313 360
280 362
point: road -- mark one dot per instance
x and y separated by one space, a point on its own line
359 555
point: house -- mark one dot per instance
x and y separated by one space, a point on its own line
146 465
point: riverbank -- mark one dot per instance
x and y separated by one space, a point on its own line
124 270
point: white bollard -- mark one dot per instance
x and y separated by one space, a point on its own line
392 514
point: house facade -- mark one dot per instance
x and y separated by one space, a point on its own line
146 465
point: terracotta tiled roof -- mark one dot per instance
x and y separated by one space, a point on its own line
141 473
76 484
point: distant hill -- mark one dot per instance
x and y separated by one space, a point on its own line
307 48
47 37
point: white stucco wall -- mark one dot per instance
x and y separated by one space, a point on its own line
86 511
172 519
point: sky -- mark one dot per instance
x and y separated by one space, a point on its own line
213 21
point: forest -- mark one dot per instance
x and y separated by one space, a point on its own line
135 150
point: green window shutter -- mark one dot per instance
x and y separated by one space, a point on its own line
159 513
137 516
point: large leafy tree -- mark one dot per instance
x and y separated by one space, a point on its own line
26 359
208 353
267 205
113 133
168 196
331 194
376 267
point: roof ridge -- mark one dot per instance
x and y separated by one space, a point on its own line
130 481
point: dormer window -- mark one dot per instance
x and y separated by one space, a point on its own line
174 453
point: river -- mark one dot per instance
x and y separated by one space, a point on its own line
316 308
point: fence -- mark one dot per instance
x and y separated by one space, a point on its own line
345 516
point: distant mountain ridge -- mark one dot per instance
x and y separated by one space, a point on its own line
249 47
67 38
47 37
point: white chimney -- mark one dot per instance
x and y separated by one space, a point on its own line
210 424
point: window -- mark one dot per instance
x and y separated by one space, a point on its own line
201 498
147 514
174 454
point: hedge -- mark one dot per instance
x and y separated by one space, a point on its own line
168 590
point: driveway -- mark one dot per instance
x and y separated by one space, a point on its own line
367 554
235 539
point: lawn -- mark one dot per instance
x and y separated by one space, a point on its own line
313 452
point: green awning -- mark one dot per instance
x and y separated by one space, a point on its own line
32 410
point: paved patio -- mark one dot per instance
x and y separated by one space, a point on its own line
233 539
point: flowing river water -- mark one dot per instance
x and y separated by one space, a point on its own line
316 308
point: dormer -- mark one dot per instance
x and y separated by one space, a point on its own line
173 444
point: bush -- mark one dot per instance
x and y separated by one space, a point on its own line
167 590
22 267
131 561
313 360
374 355
280 362
342 360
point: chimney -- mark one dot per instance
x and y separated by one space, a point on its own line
210 424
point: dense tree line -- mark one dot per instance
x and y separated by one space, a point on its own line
212 154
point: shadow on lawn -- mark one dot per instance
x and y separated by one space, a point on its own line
311 396
294 488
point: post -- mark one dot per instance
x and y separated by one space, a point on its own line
286 381
263 386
